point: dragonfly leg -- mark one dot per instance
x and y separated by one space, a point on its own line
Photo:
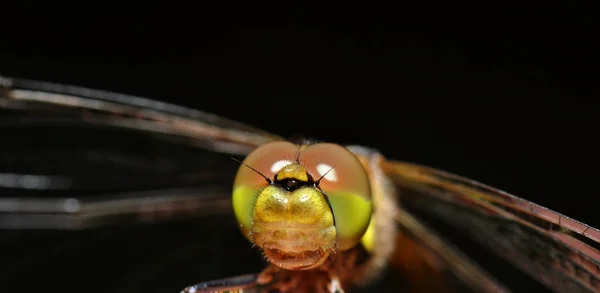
335 286
289 284
243 283
323 280
284 281
267 275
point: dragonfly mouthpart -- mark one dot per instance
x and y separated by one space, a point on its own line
304 260
293 248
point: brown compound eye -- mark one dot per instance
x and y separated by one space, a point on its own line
268 159
340 176
346 184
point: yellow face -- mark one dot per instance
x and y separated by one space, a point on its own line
314 199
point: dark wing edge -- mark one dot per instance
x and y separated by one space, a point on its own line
225 135
495 228
79 201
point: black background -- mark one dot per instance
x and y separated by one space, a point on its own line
503 95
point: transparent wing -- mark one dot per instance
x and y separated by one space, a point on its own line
74 158
468 229
82 171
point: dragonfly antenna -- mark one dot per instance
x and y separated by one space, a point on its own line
261 174
319 180
297 155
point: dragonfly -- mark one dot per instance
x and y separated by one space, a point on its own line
325 217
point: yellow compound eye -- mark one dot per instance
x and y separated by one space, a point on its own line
346 186
268 160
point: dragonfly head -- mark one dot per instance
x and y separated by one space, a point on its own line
309 201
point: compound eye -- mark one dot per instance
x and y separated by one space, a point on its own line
346 184
268 159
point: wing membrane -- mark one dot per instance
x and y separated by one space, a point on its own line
503 234
74 158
